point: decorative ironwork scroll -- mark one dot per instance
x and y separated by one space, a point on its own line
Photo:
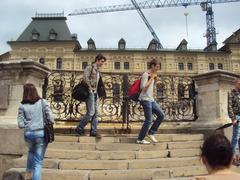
175 94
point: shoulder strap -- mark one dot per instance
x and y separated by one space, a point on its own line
43 112
91 72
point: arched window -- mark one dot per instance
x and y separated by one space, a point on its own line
42 60
84 65
59 63
180 66
117 65
220 66
126 65
211 66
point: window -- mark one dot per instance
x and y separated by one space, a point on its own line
153 47
84 65
117 65
180 66
91 46
190 66
211 66
35 36
121 46
42 60
53 36
126 65
59 63
220 66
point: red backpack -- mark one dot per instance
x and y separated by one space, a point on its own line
134 90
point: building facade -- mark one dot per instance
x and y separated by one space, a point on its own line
48 40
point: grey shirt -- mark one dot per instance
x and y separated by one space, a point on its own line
91 77
148 95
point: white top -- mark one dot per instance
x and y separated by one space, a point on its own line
148 95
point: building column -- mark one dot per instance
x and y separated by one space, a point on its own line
13 75
212 99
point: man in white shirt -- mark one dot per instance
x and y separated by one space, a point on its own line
149 105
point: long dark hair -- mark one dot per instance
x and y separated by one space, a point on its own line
30 94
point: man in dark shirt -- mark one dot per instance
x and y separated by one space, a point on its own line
234 114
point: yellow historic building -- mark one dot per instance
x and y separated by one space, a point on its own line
48 40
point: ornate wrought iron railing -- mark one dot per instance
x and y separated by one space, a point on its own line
175 94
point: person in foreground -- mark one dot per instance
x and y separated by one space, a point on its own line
234 114
217 156
30 118
149 105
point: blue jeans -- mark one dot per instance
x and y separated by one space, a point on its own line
149 109
235 136
91 114
37 148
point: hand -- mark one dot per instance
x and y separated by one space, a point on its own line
235 122
153 76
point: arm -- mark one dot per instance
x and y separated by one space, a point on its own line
86 77
48 111
21 117
230 107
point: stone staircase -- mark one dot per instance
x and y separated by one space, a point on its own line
176 156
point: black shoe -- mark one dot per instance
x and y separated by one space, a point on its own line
96 135
79 131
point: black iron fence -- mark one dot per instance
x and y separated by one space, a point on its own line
176 95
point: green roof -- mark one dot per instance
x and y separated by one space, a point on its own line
44 26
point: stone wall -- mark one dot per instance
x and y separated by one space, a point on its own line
13 75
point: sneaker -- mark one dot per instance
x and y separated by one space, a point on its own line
142 141
79 131
152 138
96 135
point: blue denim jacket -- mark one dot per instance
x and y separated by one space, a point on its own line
30 116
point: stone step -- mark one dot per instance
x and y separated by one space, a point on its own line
112 164
133 174
127 164
120 155
50 174
125 146
129 138
144 174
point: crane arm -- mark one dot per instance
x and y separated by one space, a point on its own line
159 45
146 5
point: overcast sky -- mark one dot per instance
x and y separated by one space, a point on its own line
106 29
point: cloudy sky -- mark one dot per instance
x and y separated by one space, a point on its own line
106 29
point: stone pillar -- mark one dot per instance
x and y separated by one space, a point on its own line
13 75
212 88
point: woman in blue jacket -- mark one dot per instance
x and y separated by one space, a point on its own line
30 118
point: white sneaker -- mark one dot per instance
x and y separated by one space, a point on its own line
152 138
142 141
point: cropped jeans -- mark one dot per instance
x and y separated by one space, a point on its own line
36 151
235 135
149 109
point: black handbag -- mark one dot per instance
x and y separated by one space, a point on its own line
48 128
80 91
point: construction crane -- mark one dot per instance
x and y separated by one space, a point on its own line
159 45
206 5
